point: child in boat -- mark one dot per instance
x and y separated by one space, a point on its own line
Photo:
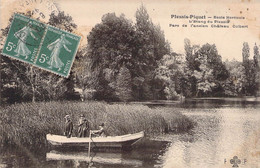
83 127
68 126
100 132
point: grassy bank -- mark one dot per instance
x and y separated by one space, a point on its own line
28 123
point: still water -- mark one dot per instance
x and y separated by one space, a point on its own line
225 128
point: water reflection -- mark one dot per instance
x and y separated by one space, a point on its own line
145 155
221 102
80 158
221 134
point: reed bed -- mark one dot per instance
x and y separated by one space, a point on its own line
28 123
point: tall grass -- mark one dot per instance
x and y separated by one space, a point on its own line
28 123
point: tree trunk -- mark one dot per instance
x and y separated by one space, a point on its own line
33 94
32 85
82 94
197 94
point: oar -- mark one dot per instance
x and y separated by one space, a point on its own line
89 143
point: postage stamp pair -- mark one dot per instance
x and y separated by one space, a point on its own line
41 45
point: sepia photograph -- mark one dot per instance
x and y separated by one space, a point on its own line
129 84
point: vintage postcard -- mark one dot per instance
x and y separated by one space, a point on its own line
130 84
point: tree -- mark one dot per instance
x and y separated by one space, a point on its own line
54 87
10 91
239 78
214 63
191 53
124 86
170 92
188 51
62 21
245 54
256 56
111 43
250 70
115 43
246 64
110 46
204 77
257 68
83 77
169 73
151 47
234 85
197 73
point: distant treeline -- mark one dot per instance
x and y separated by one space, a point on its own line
132 61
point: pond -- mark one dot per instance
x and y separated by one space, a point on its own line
227 133
225 129
139 157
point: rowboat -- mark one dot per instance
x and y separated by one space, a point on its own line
123 141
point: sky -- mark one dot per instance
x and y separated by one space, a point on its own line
229 41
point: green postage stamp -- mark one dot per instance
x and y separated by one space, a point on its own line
42 45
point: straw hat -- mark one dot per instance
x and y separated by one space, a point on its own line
82 115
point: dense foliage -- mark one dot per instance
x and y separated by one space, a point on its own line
115 43
132 61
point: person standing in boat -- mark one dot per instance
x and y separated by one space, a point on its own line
100 132
68 126
83 127
87 128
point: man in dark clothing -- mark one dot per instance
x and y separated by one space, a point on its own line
68 126
86 129
101 131
83 127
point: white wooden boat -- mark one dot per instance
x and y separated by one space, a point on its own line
123 141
